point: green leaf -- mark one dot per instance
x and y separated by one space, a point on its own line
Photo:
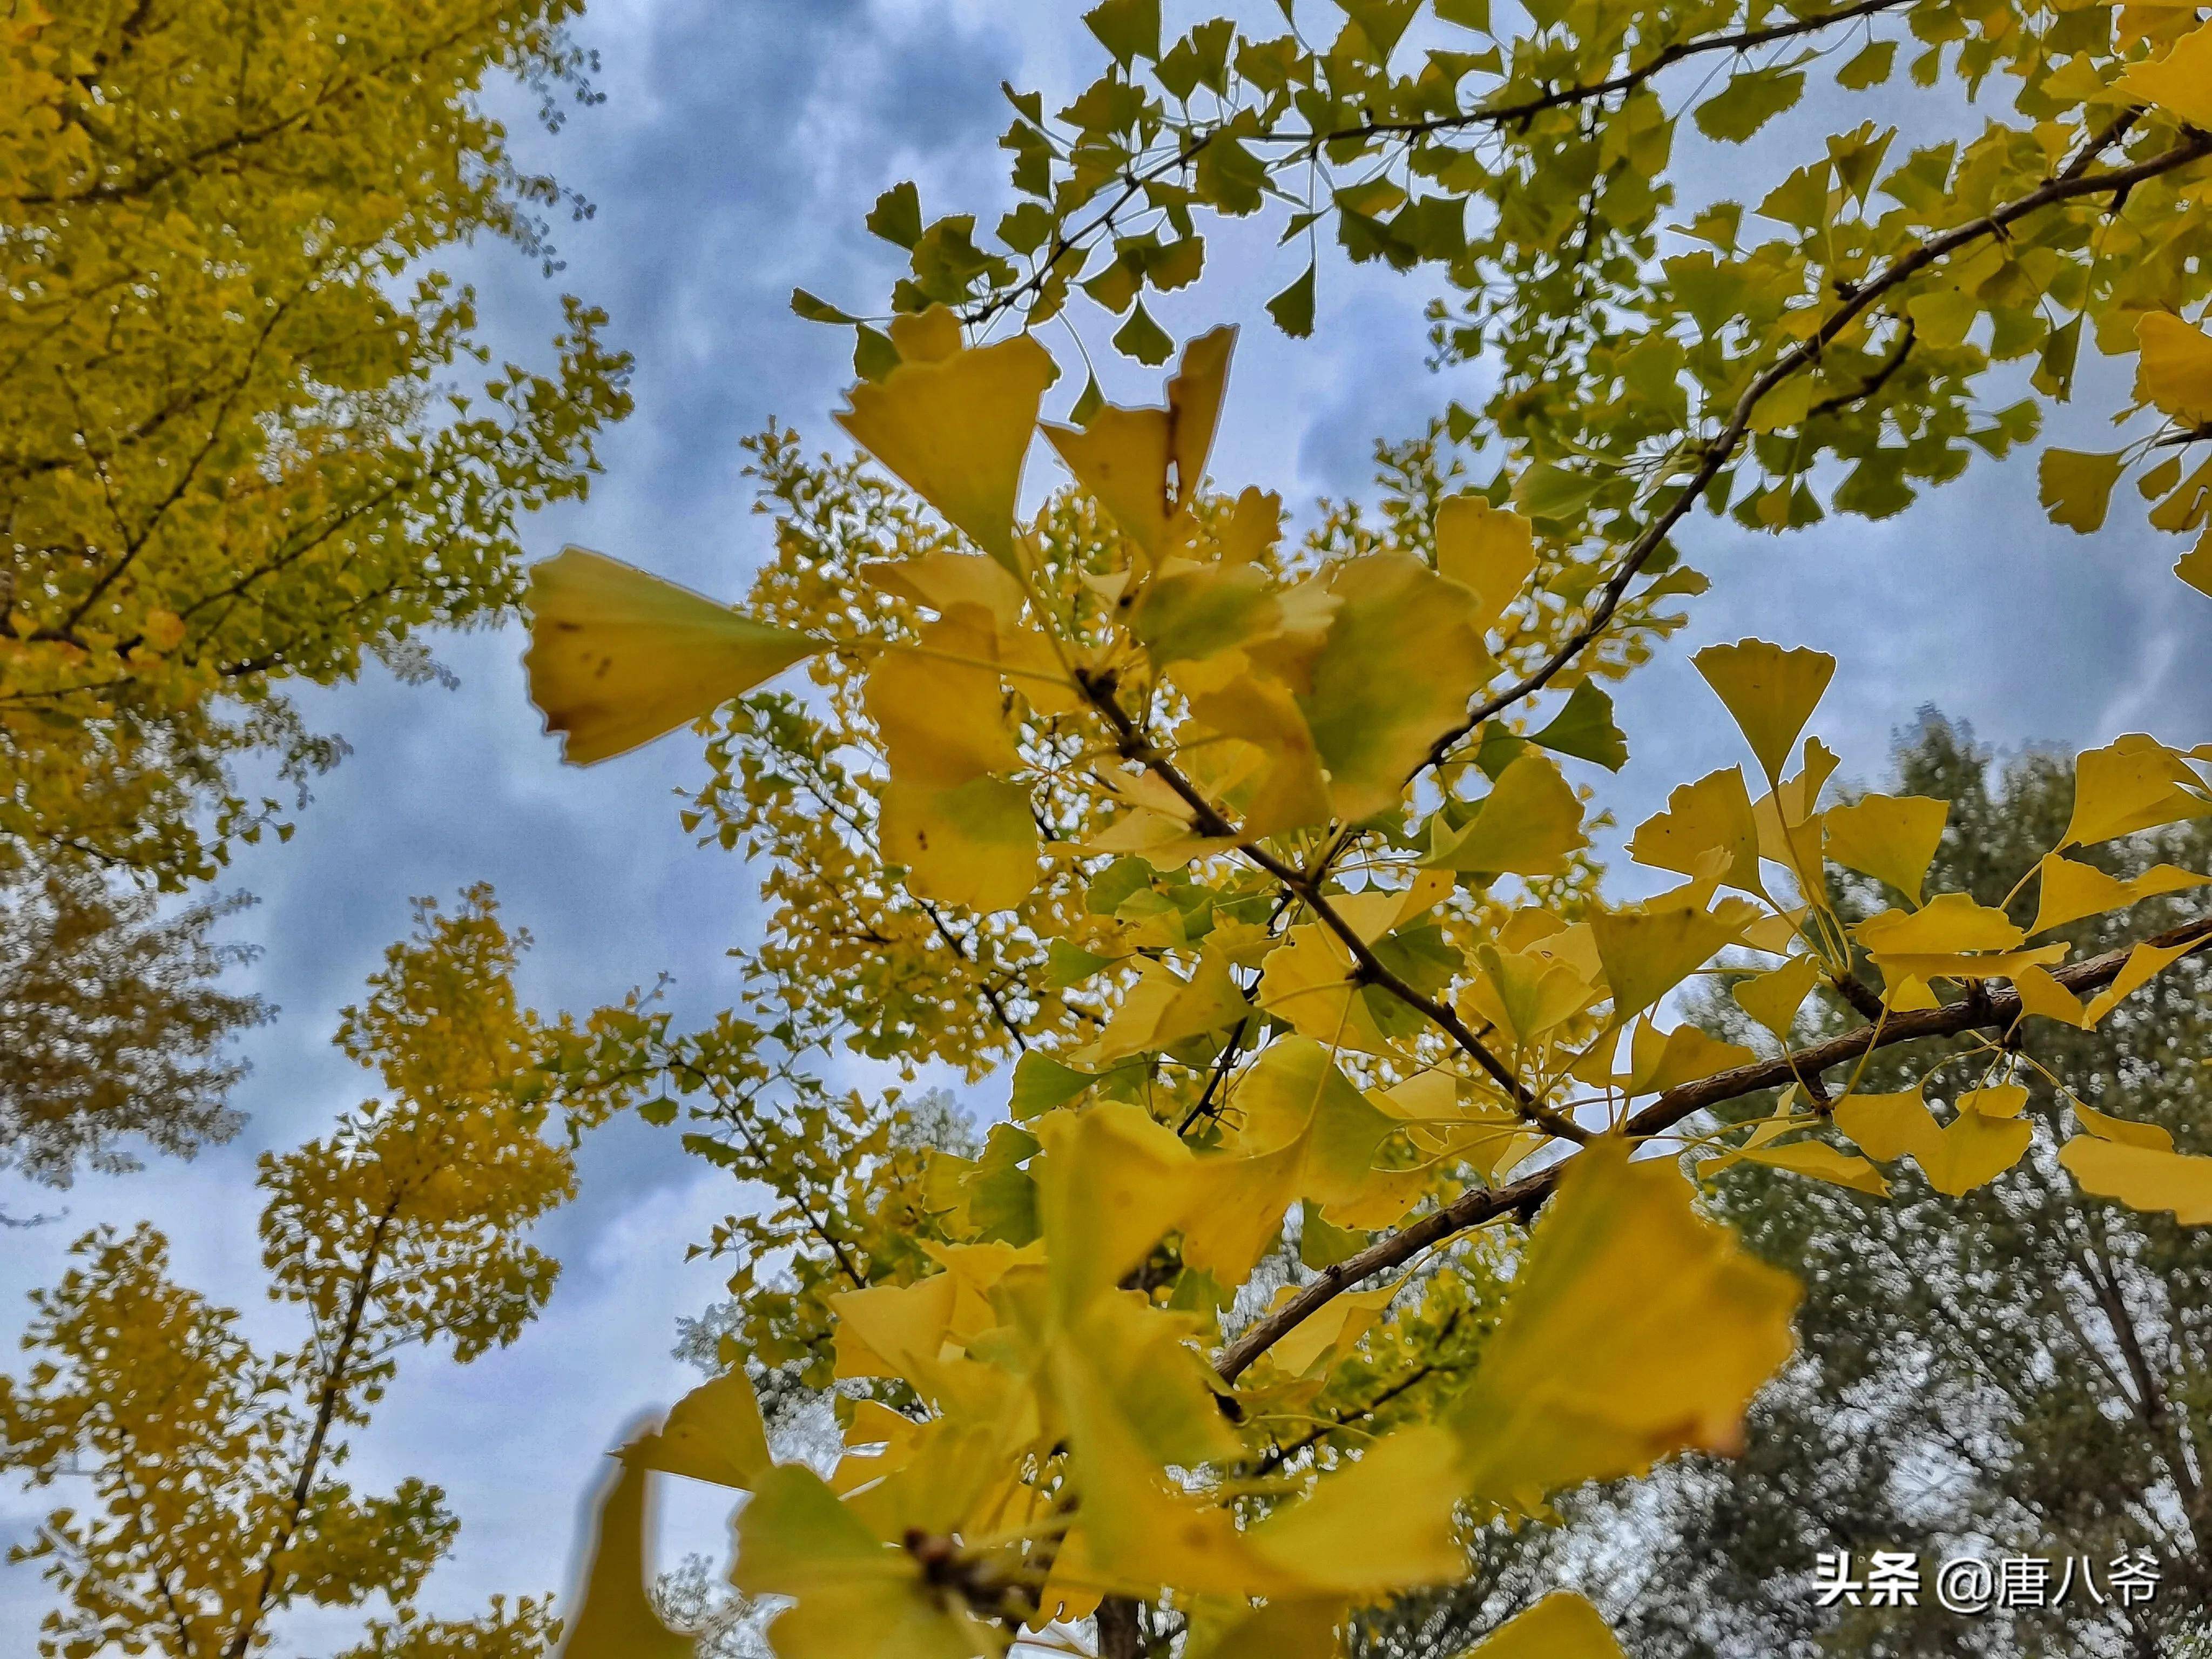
896 217
1871 67
1748 103
1293 308
1584 729
1041 1083
1547 491
1468 14
658 1113
1143 338
817 310
1127 28
874 355
1088 406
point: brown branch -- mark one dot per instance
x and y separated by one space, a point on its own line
1472 1209
333 1393
1207 819
1492 115
1721 449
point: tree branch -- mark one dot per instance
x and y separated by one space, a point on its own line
1721 449
1472 1209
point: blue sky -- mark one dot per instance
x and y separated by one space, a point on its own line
740 144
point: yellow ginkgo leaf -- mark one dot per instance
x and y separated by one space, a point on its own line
714 1433
2076 486
1812 1159
1688 1053
618 658
1950 922
1285 1628
1635 1330
2133 783
1562 1625
1110 1183
2142 1178
1296 1093
1973 1149
1403 656
1310 983
1489 550
1773 999
1384 1523
2069 891
1648 953
1892 838
955 429
2124 1130
1161 1009
1145 466
1529 825
2196 566
1714 812
2179 82
895 1330
974 844
851 1593
615 1617
964 832
1287 789
1771 693
2175 361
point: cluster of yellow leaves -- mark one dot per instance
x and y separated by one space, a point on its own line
217 1501
1386 1030
225 455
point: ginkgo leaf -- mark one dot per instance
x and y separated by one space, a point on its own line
1815 1160
1110 1183
1973 1150
1688 1053
2076 486
1714 812
1309 982
1773 999
1145 466
2134 783
1892 838
2173 370
851 1593
1161 1009
1529 825
714 1433
2196 566
1196 613
1486 549
1562 1625
2125 1130
1949 924
1771 693
618 658
2180 81
1402 658
973 844
1648 953
1584 729
2142 1178
615 1617
2069 890
1635 1330
1384 1522
956 430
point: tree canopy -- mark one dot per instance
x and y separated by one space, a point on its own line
1263 856
228 455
